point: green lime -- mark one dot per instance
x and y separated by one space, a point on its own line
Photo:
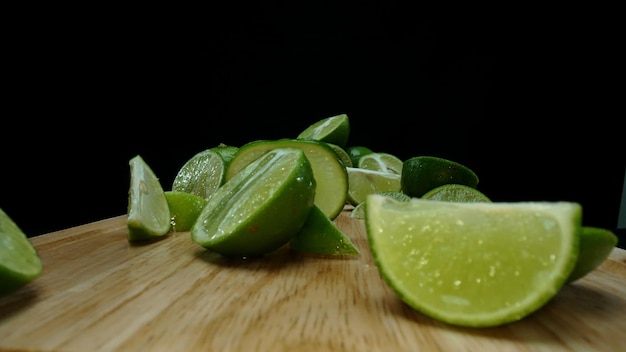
334 129
330 173
148 212
261 207
227 152
202 174
342 154
19 260
478 264
420 174
384 162
362 182
595 246
356 152
319 235
359 210
184 209
453 192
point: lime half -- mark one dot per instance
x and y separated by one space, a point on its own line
148 211
202 174
260 208
19 261
473 264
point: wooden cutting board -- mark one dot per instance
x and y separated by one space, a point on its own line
98 292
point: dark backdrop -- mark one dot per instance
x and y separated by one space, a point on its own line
522 101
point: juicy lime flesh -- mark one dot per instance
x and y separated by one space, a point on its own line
334 129
384 162
453 192
330 174
261 208
319 235
201 175
420 174
362 182
473 264
19 261
595 246
148 211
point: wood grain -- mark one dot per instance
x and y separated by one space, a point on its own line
98 292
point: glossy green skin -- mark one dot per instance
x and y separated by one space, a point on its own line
595 246
356 152
420 174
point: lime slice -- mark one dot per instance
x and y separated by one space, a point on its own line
453 192
420 174
202 174
362 182
330 173
384 162
356 152
359 211
342 154
319 235
595 246
148 212
473 264
334 129
19 261
184 209
260 208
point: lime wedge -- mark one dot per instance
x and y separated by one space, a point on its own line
383 162
342 154
202 174
595 246
329 172
420 174
473 264
359 211
334 129
148 212
260 208
19 261
319 235
356 152
362 182
227 152
184 209
453 192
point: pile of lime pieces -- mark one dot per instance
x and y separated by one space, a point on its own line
440 244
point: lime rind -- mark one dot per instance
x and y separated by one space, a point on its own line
421 174
473 264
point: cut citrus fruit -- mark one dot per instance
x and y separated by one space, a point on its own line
227 152
148 212
359 211
595 246
334 129
420 174
19 260
362 182
473 264
454 192
260 208
356 152
329 172
342 154
383 162
319 235
184 209
202 174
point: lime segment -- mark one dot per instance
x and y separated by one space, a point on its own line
329 172
19 260
364 182
453 192
148 211
184 209
383 162
473 264
420 174
319 235
334 129
595 246
260 208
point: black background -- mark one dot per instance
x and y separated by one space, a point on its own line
526 102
